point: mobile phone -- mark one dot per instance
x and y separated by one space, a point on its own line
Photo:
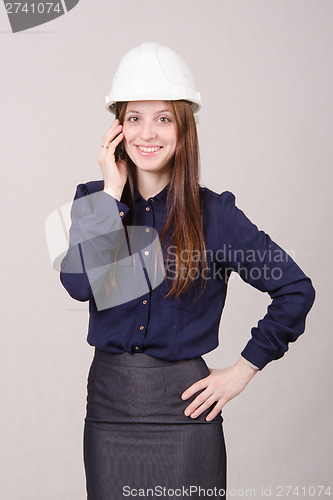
117 153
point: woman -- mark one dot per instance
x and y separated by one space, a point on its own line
153 406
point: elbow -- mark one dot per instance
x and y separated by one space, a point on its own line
309 294
76 286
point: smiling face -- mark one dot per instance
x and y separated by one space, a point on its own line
150 135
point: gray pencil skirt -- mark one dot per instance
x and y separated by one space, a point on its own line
137 440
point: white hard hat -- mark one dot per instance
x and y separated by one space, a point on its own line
152 71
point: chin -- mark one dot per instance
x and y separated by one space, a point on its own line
147 164
148 168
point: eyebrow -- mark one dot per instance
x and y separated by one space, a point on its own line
157 112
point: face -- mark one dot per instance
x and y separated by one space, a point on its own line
150 135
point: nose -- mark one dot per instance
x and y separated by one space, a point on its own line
147 131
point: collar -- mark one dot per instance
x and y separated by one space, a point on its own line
161 196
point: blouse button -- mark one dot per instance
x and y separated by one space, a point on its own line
147 229
141 327
144 302
121 213
146 252
147 208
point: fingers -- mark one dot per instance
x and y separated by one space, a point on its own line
113 131
217 408
117 140
113 139
115 124
222 385
110 141
197 386
205 399
200 401
199 405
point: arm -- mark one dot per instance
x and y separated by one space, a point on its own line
96 230
266 266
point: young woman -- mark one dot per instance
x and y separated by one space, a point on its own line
152 251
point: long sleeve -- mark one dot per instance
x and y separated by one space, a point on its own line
264 265
96 229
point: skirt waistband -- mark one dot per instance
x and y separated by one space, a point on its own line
139 388
141 359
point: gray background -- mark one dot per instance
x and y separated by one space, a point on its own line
264 69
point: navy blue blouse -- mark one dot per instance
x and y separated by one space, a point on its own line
171 328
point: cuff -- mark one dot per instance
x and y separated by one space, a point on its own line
254 356
108 204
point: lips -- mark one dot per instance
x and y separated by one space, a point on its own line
148 150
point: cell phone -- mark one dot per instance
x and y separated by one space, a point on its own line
117 153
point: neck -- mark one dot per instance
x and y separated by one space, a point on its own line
149 184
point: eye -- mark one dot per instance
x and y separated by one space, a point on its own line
133 119
164 119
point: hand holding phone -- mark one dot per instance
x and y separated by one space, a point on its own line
114 170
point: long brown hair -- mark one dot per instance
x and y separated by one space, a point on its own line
184 204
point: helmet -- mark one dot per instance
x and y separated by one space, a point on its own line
152 71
